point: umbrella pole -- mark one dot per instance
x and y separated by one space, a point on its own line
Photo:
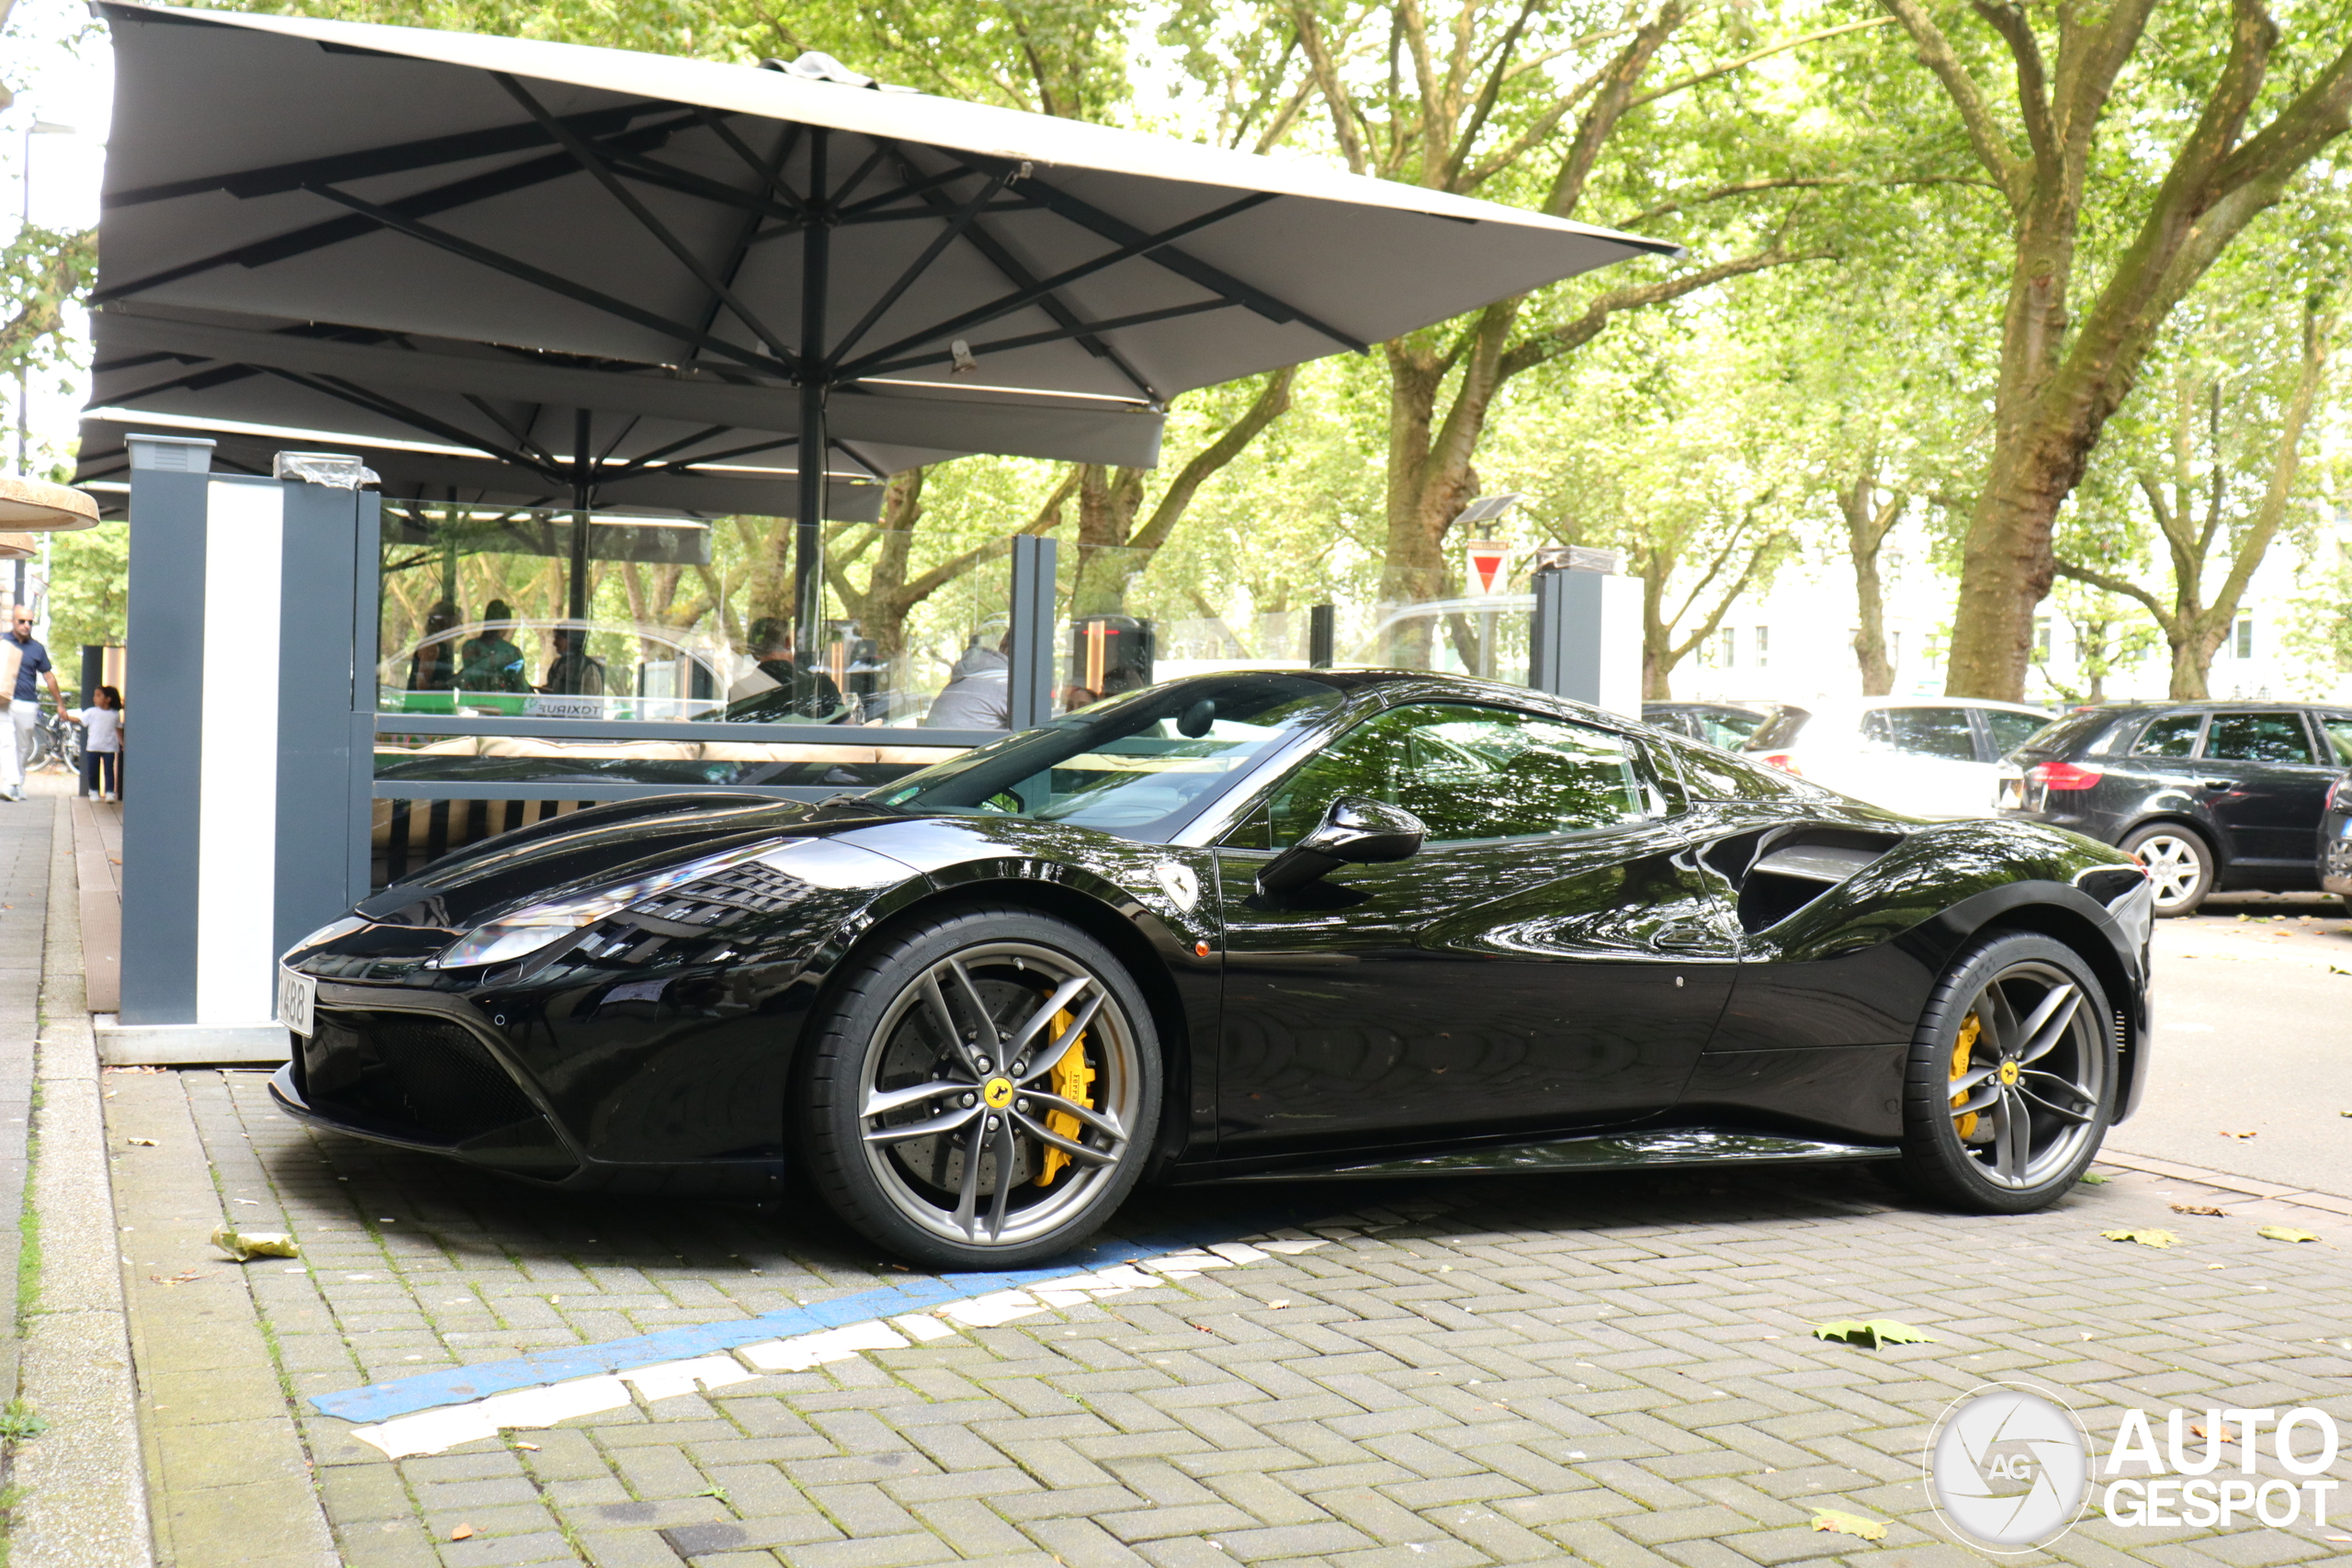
576 604
809 533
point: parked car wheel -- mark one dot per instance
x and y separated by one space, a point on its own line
2012 1079
983 1089
2180 863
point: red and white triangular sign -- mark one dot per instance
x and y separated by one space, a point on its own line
1487 559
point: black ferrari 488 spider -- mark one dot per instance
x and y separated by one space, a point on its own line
1271 925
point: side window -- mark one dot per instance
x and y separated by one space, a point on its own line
2336 728
1713 776
2258 737
1472 773
2011 730
1932 732
1728 730
2174 735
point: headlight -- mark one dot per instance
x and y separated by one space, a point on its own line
326 935
526 931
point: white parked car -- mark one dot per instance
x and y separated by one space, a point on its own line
1926 756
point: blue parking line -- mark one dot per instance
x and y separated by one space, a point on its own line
460 1385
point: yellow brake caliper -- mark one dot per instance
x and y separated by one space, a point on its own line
1070 1077
1961 1051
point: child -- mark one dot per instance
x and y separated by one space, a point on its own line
102 745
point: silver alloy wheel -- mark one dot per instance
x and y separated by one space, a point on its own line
2028 1074
2174 866
975 1061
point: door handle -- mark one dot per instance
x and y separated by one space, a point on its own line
2218 783
1687 937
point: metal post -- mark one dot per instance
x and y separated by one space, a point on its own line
170 476
584 495
1321 636
1032 675
808 531
317 690
1547 633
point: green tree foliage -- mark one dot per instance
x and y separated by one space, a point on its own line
2131 144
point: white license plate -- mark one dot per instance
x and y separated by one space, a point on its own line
298 995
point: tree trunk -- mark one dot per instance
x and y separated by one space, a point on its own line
1868 522
1108 500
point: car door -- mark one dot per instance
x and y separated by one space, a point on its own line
2265 784
1922 760
1556 956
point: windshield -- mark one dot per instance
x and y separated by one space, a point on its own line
1138 765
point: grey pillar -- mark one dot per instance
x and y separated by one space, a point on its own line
321 683
169 481
1322 636
1032 675
1585 641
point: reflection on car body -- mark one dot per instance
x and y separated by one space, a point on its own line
1247 925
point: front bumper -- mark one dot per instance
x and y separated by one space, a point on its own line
418 1070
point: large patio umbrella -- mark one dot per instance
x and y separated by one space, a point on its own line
589 269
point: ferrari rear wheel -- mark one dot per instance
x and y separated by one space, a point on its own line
2012 1080
983 1091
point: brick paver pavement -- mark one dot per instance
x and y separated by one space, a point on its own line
1617 1370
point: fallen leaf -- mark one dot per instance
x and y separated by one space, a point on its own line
2283 1232
2201 1208
463 1532
2093 1178
528 1448
1277 1305
2145 1238
2230 1135
1872 1335
2227 1436
185 1277
1849 1524
143 1143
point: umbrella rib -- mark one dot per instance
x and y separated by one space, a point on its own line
644 215
335 230
1185 265
1010 269
929 182
522 438
1031 340
960 221
773 178
523 270
1020 298
403 157
669 177
750 230
365 398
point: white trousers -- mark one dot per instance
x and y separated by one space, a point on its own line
22 717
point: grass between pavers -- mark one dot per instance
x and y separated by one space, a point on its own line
19 1424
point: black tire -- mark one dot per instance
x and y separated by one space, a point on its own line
2015 1137
933 1197
2179 862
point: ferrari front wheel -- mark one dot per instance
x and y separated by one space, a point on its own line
983 1089
2011 1081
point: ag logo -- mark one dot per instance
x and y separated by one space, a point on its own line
2008 1468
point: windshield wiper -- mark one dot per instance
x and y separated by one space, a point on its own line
848 802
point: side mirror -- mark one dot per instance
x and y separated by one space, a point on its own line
1354 831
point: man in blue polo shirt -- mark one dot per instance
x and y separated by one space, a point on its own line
24 709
